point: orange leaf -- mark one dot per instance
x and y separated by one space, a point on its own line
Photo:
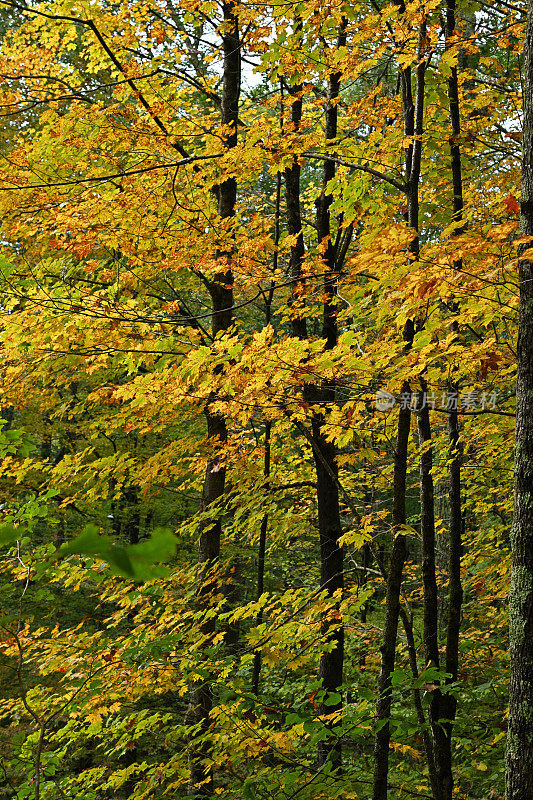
512 205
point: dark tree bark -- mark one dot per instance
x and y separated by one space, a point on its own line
256 672
427 526
392 610
329 521
429 578
413 127
221 291
519 774
444 705
131 513
329 518
294 215
201 694
448 704
455 121
332 579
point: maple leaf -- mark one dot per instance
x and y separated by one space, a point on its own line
490 363
512 205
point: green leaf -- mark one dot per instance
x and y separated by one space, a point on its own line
88 543
399 677
293 719
10 534
248 792
333 699
160 547
6 267
118 557
135 561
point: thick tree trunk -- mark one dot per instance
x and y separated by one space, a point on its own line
520 734
427 526
201 694
442 706
221 291
329 519
332 579
329 522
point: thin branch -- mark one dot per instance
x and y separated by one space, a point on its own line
402 187
101 178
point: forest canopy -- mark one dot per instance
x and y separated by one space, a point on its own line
265 298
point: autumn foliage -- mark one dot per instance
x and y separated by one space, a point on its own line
235 255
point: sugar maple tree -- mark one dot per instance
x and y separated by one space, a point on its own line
226 227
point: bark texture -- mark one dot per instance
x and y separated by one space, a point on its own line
329 519
392 611
256 672
444 705
431 607
519 784
413 112
221 291
294 214
443 755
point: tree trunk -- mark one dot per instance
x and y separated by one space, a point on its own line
261 561
429 579
392 610
519 774
133 514
329 522
332 579
329 518
221 291
443 755
413 127
294 215
448 703
256 672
